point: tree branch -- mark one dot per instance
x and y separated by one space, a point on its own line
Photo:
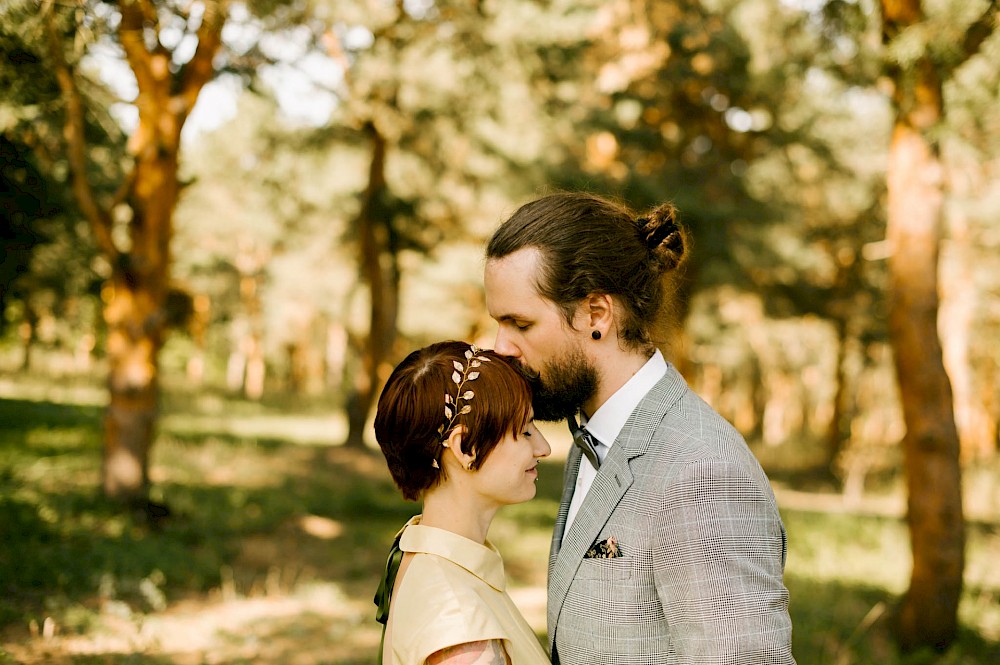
125 187
975 35
979 31
76 145
131 36
201 68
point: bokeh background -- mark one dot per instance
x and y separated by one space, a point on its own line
224 222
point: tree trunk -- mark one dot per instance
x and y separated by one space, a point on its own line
836 434
334 355
135 309
27 331
195 368
379 269
927 616
134 315
135 295
959 305
847 287
248 369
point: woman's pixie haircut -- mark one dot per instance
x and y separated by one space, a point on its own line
412 423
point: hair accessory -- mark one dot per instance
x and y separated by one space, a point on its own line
453 406
596 334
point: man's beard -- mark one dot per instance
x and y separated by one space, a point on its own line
568 382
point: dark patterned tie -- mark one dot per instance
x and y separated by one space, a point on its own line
584 440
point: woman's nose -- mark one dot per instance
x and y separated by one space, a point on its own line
544 449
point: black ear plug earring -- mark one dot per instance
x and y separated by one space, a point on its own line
596 334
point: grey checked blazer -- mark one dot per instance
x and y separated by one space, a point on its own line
702 543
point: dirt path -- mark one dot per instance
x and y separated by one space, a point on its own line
316 624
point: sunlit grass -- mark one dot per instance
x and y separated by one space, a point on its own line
273 549
843 549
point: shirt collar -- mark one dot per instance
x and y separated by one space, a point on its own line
483 561
608 421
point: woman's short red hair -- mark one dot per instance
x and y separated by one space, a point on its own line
411 409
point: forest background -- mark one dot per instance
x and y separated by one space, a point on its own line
225 222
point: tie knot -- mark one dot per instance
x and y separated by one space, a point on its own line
586 442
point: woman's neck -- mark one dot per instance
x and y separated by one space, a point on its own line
446 509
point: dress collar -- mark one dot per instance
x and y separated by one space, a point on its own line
607 422
483 561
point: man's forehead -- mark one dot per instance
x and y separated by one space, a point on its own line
525 257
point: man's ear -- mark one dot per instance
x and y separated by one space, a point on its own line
454 445
598 310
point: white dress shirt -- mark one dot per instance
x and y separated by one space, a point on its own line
608 421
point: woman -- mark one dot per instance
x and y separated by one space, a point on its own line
455 425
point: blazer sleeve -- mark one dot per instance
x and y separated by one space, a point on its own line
721 557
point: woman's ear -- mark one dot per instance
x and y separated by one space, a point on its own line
454 444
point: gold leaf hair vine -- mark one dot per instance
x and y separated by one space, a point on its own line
463 374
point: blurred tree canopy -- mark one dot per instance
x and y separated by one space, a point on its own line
47 272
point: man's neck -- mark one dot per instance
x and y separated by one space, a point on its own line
614 370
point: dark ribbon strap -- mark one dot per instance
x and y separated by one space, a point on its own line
384 593
584 440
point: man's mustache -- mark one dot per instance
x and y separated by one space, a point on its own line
525 371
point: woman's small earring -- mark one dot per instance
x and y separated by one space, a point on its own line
596 335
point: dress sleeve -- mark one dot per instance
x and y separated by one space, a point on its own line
435 608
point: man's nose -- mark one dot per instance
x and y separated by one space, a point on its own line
504 346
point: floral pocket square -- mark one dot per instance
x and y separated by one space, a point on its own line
606 549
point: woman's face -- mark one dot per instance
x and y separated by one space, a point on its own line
509 473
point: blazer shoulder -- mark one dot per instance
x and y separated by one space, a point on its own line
680 425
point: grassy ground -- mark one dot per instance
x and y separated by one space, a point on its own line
274 545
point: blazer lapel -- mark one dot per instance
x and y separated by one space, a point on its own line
569 486
613 479
610 485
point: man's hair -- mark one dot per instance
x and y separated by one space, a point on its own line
411 422
592 246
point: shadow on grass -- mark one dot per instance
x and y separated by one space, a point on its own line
248 514
66 545
839 623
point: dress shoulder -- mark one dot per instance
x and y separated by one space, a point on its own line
439 604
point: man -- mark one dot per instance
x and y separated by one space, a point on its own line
668 546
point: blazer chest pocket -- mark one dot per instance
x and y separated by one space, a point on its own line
610 570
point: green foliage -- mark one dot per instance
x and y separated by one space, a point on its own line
763 120
25 200
50 271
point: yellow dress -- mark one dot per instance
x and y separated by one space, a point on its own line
453 592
